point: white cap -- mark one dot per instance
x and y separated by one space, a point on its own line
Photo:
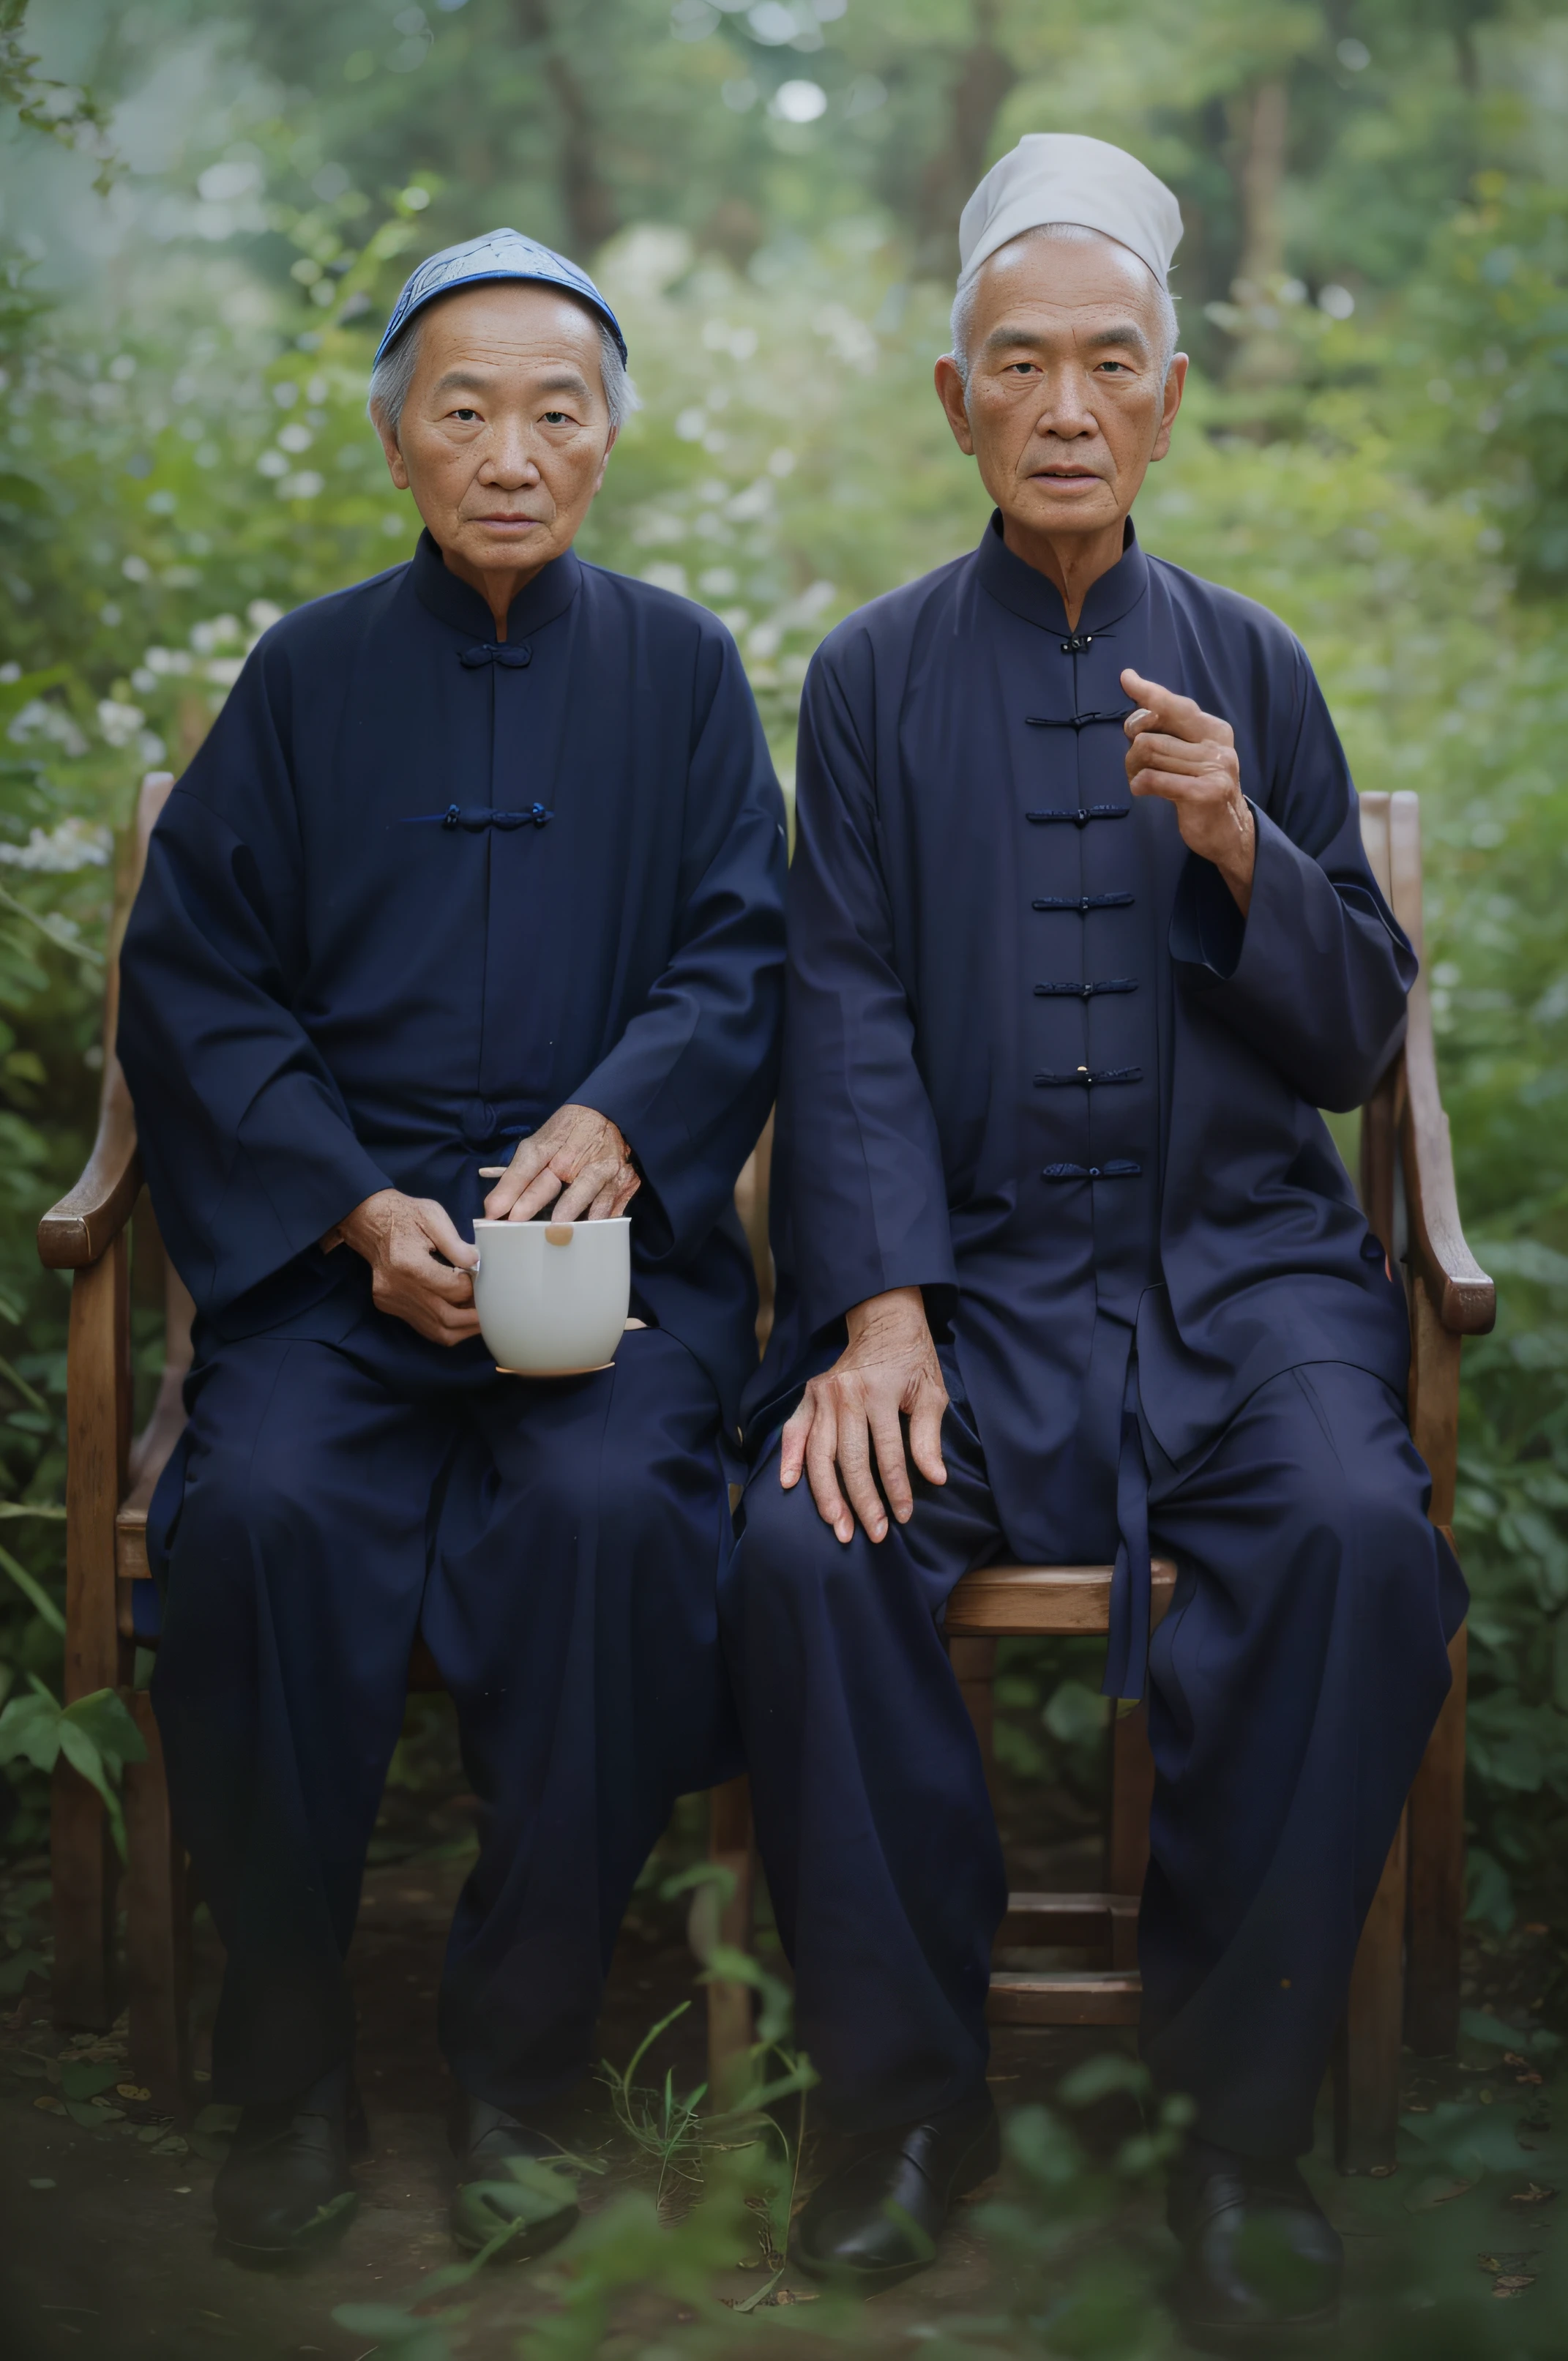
1060 176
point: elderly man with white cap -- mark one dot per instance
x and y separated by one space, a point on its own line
1080 938
483 859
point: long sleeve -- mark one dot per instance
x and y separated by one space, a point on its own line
692 1077
862 1177
1315 976
249 1146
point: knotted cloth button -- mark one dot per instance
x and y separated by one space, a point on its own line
491 652
1075 643
478 816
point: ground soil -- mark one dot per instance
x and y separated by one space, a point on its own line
106 2230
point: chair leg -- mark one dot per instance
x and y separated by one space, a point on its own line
158 1927
1132 1798
1366 2055
83 1869
731 1844
1437 1875
82 1861
974 1667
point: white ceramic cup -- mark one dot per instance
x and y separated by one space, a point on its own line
553 1296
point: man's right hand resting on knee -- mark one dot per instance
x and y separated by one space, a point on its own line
889 1371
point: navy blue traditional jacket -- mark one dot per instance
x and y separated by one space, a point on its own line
418 890
1036 1061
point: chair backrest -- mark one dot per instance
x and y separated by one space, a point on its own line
1391 833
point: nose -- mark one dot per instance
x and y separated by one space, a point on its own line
1066 410
508 463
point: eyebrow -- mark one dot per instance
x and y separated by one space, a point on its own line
465 380
1124 332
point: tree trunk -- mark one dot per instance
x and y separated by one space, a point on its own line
1264 127
1263 356
587 197
985 76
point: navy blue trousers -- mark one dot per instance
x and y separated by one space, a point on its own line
1292 1687
558 1546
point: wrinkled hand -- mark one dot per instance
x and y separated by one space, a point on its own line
1189 757
889 1366
412 1247
577 1163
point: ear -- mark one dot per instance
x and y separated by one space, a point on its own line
396 466
598 480
1175 384
951 394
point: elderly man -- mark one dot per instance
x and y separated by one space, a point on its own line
483 858
1081 936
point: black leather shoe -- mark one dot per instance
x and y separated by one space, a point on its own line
1261 2263
876 2220
491 2196
283 2190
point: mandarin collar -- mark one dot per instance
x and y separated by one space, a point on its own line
1025 591
453 602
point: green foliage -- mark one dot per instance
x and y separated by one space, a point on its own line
1374 445
96 1736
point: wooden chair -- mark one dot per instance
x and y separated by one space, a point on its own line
1405 1980
109 1484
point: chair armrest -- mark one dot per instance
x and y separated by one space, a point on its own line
1463 1298
85 1223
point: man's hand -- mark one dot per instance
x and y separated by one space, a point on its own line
577 1163
1189 757
889 1366
412 1247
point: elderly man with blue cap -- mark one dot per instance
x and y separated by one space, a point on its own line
476 880
1081 936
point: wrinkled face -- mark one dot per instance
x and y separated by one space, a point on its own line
505 432
1069 398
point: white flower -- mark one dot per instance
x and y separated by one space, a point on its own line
73 844
38 720
205 637
119 723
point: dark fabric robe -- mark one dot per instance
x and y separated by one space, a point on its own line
1037 1064
418 890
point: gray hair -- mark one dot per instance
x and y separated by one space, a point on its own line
1065 234
394 373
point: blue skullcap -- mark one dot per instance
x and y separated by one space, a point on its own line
499 254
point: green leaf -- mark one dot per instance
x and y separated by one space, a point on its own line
84 2078
30 1728
1043 2147
98 1737
30 1588
1097 2078
107 1721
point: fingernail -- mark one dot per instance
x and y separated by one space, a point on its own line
879 1530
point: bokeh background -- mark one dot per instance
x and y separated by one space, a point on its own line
206 212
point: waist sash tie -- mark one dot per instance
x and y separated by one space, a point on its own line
1127 1645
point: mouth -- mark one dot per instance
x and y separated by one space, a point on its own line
503 521
1068 478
